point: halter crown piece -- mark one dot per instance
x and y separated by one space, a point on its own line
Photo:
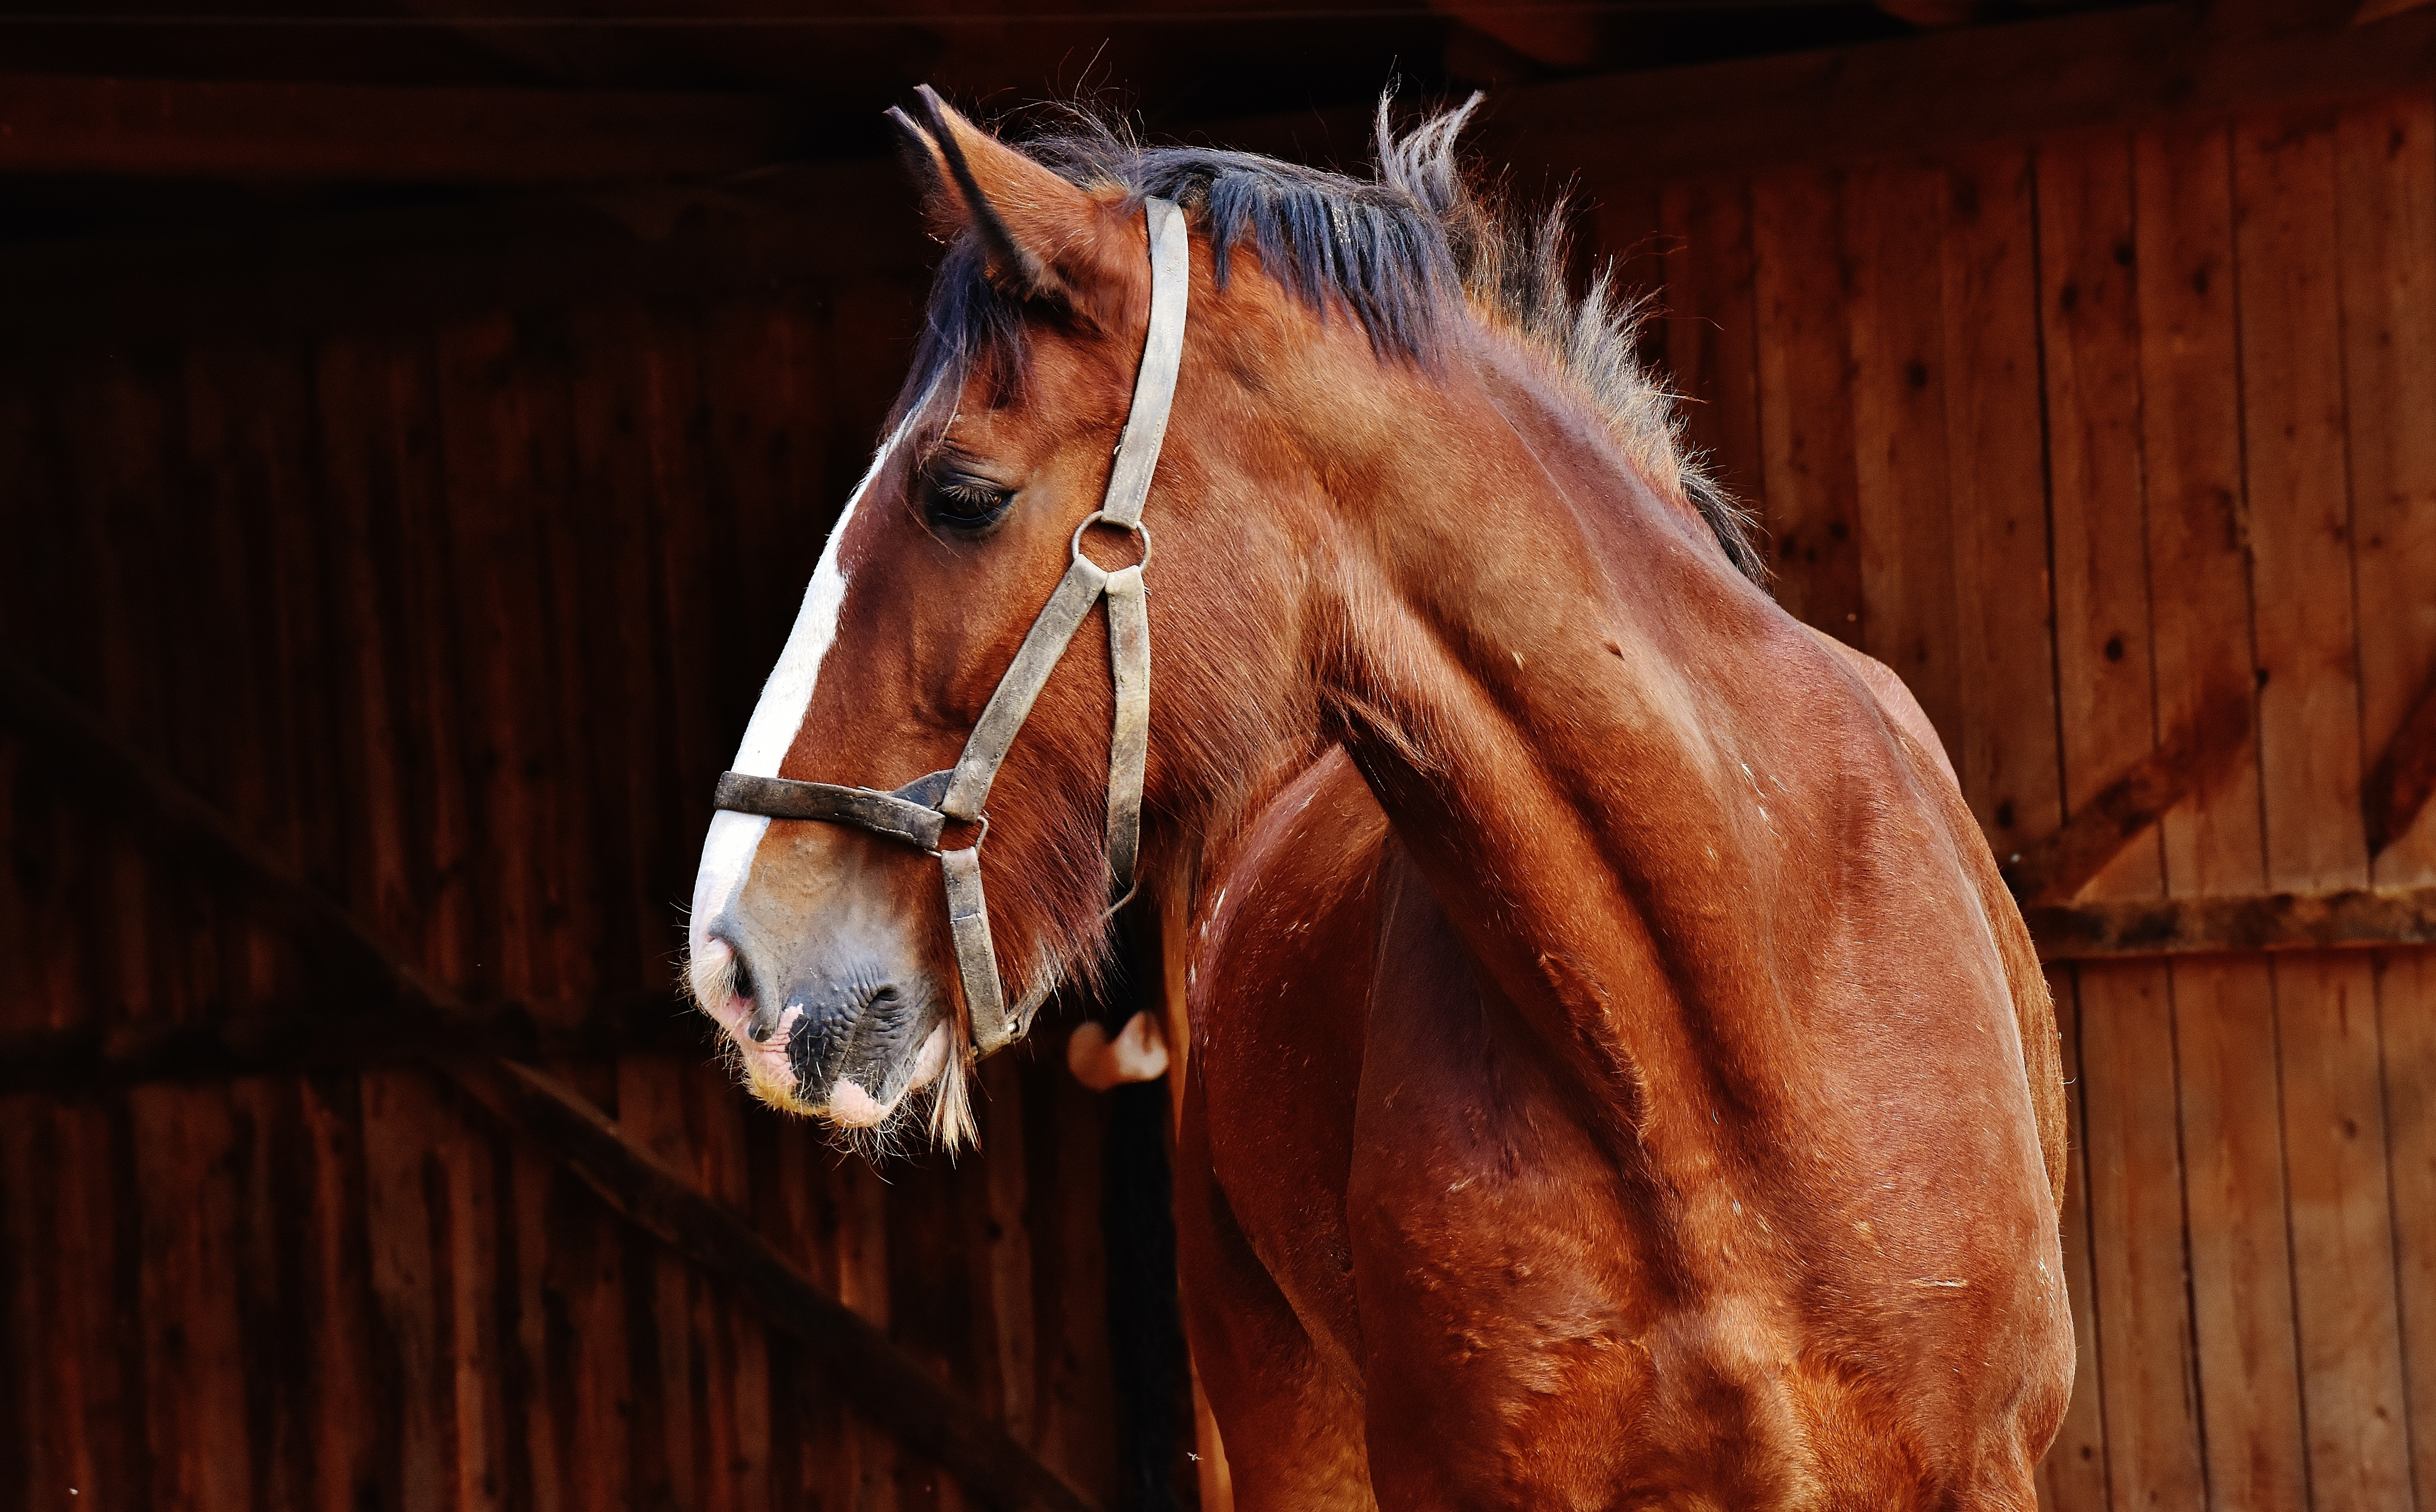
916 813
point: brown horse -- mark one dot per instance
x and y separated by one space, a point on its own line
1620 1079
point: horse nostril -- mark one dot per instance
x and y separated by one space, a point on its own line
742 986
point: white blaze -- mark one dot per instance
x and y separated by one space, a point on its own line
727 850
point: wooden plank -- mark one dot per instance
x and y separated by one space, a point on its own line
2007 755
2241 1270
400 1126
933 1266
869 1470
687 562
338 1302
27 1444
593 1353
257 131
736 1438
359 486
118 488
2343 1232
2284 179
195 1373
270 1295
2199 510
2300 514
2088 320
1078 1430
1005 1248
2406 986
2135 1196
2358 918
45 1415
795 1207
486 444
229 603
2072 1477
2103 652
1805 400
469 1248
82 1348
650 1111
2199 604
1712 325
2385 204
1893 225
624 662
409 428
538 1477
562 722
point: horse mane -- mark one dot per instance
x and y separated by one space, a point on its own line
1404 253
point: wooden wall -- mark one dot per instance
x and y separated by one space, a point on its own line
448 559
454 579
2072 433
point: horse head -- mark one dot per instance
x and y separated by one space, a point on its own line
824 949
1351 397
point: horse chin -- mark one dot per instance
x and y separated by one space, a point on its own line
852 1107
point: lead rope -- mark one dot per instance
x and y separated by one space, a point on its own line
917 814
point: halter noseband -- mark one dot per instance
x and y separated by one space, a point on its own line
919 812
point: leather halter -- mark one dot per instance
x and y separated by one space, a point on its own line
917 813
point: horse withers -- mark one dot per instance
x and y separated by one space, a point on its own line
1619 1078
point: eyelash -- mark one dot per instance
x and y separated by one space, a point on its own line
967 503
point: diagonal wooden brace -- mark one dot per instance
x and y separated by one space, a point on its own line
2195 754
873 1374
2404 778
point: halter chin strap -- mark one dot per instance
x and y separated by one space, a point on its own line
917 813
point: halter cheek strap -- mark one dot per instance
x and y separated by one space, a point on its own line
917 813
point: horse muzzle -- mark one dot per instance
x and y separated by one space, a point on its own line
836 1035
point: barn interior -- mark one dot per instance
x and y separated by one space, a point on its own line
417 425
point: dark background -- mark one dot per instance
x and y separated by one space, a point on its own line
415 433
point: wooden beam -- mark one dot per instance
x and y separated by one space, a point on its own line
1940 90
877 1379
1968 85
2194 754
2357 919
798 229
1932 12
2404 778
372 133
1559 38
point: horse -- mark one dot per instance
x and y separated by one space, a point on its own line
1618 1075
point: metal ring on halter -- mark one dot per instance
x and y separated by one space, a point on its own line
1101 517
982 819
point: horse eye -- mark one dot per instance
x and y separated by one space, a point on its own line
964 502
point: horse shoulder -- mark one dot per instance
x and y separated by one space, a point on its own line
2034 1007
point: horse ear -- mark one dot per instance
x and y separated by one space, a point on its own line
1036 227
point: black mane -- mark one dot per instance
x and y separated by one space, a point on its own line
1404 255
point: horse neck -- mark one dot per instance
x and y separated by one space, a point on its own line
1574 712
